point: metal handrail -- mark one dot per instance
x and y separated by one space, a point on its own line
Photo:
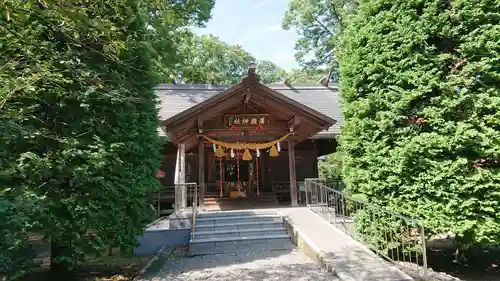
183 191
397 238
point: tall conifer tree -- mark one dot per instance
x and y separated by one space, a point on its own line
420 85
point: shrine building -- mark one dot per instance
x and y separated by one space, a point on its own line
248 143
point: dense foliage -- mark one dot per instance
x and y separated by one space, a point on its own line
319 24
78 120
306 75
207 59
420 87
330 168
269 72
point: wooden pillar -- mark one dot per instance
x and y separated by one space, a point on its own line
178 197
182 174
293 178
264 186
251 187
177 166
201 171
182 170
180 178
211 173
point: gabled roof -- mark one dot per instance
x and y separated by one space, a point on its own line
176 98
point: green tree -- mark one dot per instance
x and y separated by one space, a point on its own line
319 24
78 121
206 59
305 76
330 168
420 94
269 72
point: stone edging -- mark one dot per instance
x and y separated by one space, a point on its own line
145 268
308 247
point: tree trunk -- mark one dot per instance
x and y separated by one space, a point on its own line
61 269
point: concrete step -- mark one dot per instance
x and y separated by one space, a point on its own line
237 239
238 226
218 214
204 249
238 244
260 232
248 230
236 215
217 221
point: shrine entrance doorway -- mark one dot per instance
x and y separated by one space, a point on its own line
237 178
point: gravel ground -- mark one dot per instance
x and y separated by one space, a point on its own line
251 266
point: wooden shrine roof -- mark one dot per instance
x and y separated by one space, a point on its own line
176 98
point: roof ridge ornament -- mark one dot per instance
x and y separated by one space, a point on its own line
252 66
252 77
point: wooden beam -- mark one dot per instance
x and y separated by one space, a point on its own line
224 133
173 138
200 125
189 137
201 170
294 122
247 96
275 127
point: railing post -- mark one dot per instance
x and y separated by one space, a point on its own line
183 196
313 194
323 190
335 206
177 199
306 187
343 206
424 250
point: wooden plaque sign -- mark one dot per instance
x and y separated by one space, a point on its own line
246 120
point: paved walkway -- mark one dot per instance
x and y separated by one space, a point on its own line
348 258
250 266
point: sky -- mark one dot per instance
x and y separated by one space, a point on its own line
256 26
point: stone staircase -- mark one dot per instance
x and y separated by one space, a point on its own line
236 231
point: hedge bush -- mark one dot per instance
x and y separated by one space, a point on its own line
420 83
